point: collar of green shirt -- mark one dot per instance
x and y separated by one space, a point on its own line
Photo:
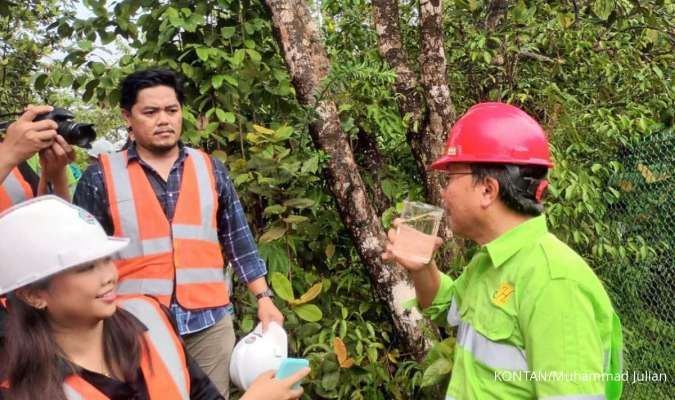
502 248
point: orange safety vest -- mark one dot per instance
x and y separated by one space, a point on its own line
163 366
183 253
14 190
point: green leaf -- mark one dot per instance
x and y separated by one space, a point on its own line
565 19
330 380
220 155
242 178
238 57
227 117
255 56
274 209
220 114
85 45
295 219
247 324
228 31
308 312
603 8
262 129
89 89
217 81
203 53
299 203
40 81
282 286
98 68
436 371
230 118
330 251
273 233
231 80
310 166
283 133
308 296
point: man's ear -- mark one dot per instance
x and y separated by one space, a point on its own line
126 114
33 297
489 191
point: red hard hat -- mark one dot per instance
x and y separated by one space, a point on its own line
495 133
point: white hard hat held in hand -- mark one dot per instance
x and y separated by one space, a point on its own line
256 353
47 235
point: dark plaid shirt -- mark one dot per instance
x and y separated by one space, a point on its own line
233 231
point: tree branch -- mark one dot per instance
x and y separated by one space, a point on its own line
308 65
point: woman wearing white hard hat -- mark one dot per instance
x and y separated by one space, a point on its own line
69 337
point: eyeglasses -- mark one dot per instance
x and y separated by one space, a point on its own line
446 175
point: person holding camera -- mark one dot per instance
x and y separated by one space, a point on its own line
23 139
84 341
180 209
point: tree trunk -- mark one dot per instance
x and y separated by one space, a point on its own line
496 11
441 113
369 158
308 64
427 131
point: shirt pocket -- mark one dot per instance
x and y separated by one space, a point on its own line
487 336
494 323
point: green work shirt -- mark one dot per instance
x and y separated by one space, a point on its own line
533 321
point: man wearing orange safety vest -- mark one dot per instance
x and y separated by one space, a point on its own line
180 209
533 320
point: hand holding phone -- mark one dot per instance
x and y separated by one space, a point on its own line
290 366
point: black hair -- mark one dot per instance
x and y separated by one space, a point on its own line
34 365
139 80
518 185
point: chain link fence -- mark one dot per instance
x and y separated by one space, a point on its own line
643 287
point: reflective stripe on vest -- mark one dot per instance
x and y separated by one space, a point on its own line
14 190
490 353
187 250
453 313
164 340
165 371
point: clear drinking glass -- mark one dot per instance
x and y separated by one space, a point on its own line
416 235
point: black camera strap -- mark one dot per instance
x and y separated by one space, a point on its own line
30 176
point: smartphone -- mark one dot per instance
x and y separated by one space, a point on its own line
289 366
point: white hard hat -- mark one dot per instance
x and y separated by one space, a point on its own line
256 353
118 145
100 146
46 235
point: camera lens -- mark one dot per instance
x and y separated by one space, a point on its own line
77 134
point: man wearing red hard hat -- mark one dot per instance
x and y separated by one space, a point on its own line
533 320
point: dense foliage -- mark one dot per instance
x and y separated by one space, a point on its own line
597 74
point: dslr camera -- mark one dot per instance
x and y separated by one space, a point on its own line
75 133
